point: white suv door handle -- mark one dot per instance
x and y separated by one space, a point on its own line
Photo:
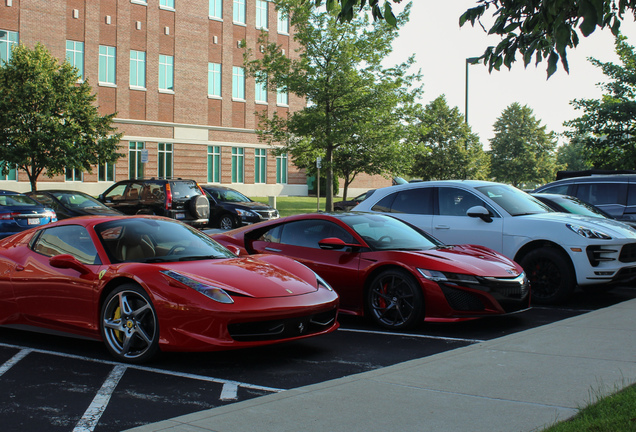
442 227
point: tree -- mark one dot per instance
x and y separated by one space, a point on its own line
522 152
608 126
446 148
573 156
543 29
352 100
47 118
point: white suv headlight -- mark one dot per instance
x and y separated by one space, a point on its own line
588 232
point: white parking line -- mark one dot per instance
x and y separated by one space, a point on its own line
420 336
230 392
13 360
97 407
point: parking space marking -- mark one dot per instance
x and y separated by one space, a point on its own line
229 392
14 360
91 417
444 338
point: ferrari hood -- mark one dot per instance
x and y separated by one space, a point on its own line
468 259
244 276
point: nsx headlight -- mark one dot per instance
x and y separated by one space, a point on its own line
322 282
446 277
588 232
215 293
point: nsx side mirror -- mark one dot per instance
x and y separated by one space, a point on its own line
334 243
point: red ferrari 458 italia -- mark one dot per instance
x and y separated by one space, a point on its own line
144 284
390 270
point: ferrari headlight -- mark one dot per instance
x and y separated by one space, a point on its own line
588 232
215 293
457 278
322 282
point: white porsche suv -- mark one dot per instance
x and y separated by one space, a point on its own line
558 251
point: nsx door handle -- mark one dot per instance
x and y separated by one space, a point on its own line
442 227
272 249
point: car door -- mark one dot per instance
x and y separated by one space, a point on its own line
299 240
609 196
59 297
452 225
124 197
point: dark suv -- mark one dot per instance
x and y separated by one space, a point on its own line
174 198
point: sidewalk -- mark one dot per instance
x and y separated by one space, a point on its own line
521 382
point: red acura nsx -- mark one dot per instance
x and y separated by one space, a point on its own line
144 284
390 270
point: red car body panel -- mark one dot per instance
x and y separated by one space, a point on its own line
36 294
349 271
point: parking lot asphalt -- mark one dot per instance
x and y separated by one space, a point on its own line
521 382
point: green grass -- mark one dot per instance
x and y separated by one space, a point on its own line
288 206
615 413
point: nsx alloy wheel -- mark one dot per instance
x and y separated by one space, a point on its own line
129 324
551 275
395 300
226 222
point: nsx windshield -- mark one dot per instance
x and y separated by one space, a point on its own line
156 240
515 201
386 233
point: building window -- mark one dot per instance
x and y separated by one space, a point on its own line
238 83
7 40
261 14
282 97
281 168
73 175
260 165
137 69
283 22
10 175
237 165
261 90
135 164
106 172
75 56
166 72
214 164
165 160
167 4
214 79
107 64
216 9
239 11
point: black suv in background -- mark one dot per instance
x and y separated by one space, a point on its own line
174 198
230 209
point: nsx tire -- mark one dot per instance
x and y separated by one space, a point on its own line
129 324
551 275
394 300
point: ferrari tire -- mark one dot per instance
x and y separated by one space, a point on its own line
226 221
129 324
394 300
551 275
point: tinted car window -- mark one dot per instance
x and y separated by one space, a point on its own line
384 205
631 195
558 189
117 193
410 201
17 200
456 202
308 233
68 239
602 193
184 189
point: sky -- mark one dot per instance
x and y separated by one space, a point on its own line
441 47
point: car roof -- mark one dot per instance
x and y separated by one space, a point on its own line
596 178
216 187
433 183
8 192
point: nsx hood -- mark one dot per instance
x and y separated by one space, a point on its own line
467 259
244 276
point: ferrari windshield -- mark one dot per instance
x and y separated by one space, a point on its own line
387 233
515 201
156 240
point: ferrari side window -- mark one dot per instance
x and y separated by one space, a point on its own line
68 239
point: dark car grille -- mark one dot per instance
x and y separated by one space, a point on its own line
283 328
512 294
266 214
628 253
462 300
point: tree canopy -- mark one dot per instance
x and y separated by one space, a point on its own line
353 101
47 117
522 152
537 30
607 127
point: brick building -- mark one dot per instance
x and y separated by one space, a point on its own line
173 72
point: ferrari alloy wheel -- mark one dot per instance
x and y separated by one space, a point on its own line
130 327
395 300
226 222
550 273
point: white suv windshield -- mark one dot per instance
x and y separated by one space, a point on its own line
514 201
